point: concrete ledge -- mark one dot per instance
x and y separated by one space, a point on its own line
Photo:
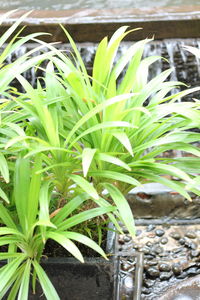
91 25
154 201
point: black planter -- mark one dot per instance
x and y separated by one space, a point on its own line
92 280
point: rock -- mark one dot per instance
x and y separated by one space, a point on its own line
164 240
159 232
151 235
146 250
152 262
149 244
191 245
195 253
164 267
150 256
127 238
126 267
182 241
176 268
128 282
121 239
183 275
153 272
131 260
178 250
146 291
192 271
157 249
191 235
150 227
149 283
175 235
135 246
165 275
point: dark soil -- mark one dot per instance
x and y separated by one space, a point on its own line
53 249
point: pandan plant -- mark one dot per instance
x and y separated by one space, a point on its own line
76 139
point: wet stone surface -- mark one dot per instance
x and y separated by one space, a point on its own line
171 254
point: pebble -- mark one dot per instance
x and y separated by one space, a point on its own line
182 241
151 235
127 238
150 256
152 262
121 239
195 253
191 245
176 268
149 244
192 271
191 235
149 283
165 275
178 250
175 235
159 232
135 246
126 267
146 291
164 267
146 250
158 249
164 240
183 275
153 272
150 227
128 282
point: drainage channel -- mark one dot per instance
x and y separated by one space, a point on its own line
163 255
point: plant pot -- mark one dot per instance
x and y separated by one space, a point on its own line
76 281
92 280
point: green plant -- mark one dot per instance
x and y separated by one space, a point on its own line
76 138
29 225
8 72
123 140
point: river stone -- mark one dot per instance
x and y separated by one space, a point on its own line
149 283
127 238
195 253
176 268
128 282
191 235
183 275
159 232
149 244
175 235
126 267
192 271
191 245
150 227
182 241
164 267
158 249
165 275
164 240
153 272
152 262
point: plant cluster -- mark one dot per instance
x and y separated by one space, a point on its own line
73 146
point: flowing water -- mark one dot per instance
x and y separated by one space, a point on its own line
186 68
97 4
